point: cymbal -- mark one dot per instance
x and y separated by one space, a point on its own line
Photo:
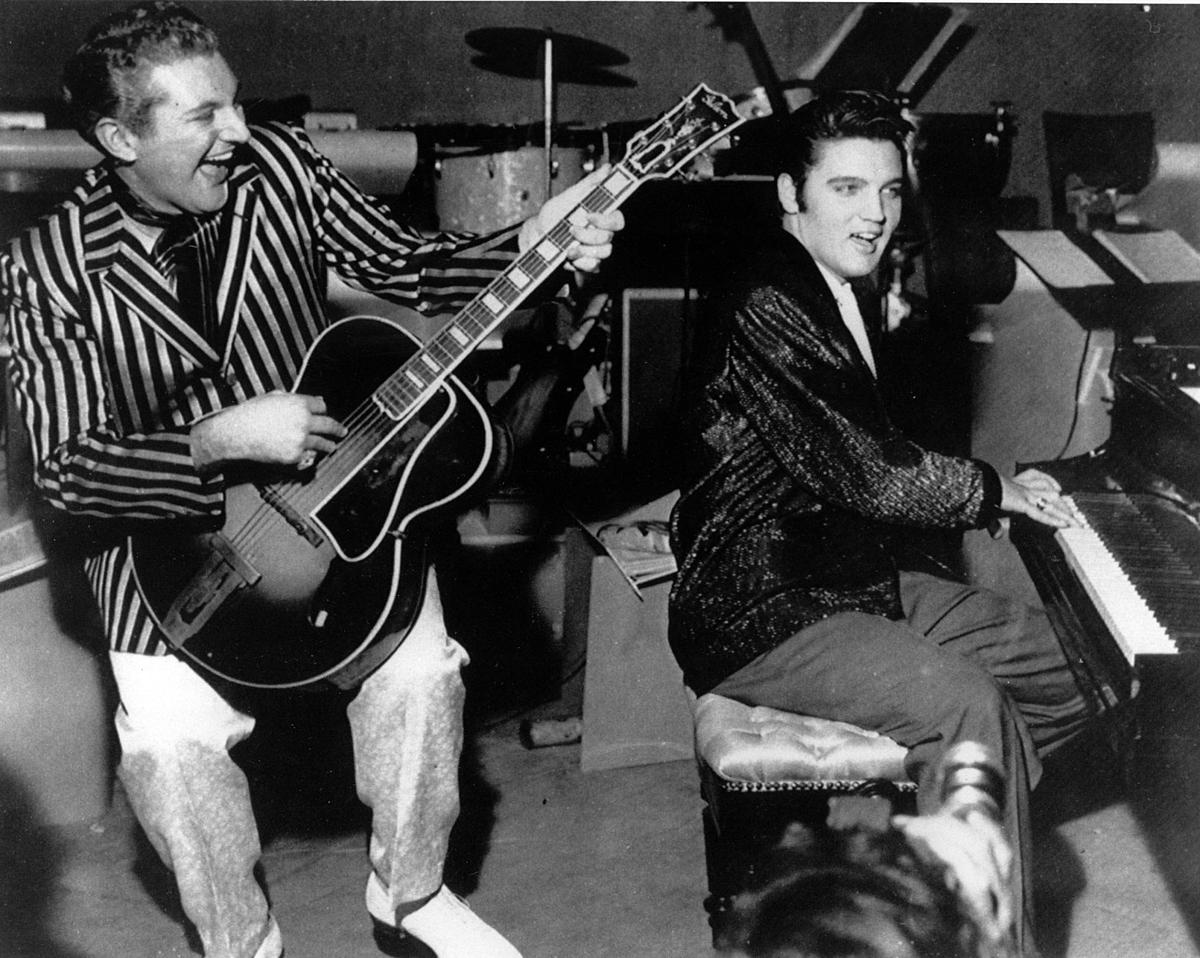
518 51
563 72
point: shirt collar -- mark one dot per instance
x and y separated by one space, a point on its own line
838 286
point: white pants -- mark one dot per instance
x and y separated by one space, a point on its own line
193 801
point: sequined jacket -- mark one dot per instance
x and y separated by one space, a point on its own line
795 478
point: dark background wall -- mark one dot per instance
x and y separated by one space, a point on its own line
408 63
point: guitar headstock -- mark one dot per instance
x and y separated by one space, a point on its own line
700 120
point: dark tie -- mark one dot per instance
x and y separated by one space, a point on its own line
186 250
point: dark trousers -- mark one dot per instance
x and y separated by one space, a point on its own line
965 664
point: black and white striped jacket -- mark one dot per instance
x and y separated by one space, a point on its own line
109 375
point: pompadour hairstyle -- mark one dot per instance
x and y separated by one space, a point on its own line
106 75
838 115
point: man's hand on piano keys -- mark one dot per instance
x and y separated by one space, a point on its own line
1039 496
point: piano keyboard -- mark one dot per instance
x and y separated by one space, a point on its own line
1147 592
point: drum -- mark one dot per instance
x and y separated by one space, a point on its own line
498 180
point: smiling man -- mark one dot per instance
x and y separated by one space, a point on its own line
158 319
797 485
177 157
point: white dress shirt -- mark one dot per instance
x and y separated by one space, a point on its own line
851 315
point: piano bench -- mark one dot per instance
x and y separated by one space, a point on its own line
762 769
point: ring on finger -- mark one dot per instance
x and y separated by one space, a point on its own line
308 459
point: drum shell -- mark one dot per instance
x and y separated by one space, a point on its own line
481 193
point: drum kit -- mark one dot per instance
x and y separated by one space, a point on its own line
487 177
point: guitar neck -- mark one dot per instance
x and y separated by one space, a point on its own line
659 151
425 371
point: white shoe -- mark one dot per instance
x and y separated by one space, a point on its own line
272 946
447 925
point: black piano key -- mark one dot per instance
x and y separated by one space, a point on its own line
1157 547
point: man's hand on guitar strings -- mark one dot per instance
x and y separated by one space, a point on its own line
593 240
279 428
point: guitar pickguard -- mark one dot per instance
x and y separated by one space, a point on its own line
426 467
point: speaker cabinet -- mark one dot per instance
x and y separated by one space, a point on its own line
649 378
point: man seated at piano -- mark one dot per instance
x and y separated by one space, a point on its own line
797 488
147 378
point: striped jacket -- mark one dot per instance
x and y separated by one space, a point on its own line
109 375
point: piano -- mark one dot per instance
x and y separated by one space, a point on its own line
1126 448
1123 592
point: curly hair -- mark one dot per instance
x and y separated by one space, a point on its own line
856 894
106 76
838 115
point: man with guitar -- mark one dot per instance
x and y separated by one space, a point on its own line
798 490
159 318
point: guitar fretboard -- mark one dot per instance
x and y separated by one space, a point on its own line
414 382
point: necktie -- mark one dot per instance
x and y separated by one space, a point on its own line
186 250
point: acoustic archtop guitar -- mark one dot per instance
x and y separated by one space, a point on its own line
318 576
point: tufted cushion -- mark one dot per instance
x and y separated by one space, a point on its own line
755 744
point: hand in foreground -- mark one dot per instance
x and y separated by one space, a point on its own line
593 239
978 860
279 428
1039 496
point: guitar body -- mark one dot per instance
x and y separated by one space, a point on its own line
282 597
